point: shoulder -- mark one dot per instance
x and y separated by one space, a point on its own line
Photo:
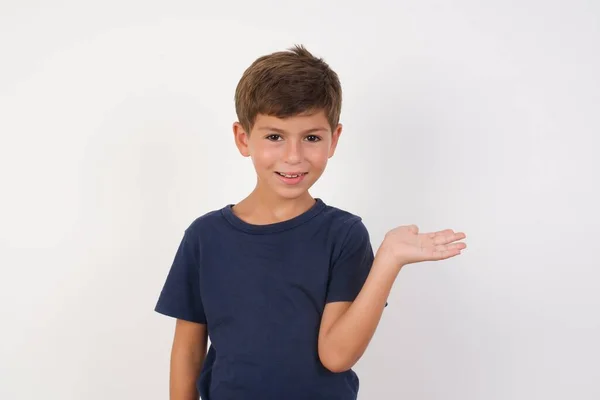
342 220
345 227
205 223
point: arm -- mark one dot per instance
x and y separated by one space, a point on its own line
187 356
347 327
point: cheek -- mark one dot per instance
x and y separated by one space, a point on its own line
318 157
264 157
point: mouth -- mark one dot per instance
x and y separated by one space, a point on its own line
291 175
293 178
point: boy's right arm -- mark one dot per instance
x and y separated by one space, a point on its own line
187 356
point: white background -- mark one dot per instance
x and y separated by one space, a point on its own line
115 122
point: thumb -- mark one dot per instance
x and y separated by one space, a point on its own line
413 229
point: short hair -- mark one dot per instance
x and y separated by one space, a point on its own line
288 83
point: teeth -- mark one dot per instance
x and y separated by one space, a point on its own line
289 176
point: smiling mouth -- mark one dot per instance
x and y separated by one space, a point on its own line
296 175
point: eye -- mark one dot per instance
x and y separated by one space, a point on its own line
313 138
274 137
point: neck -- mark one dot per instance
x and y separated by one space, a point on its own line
265 207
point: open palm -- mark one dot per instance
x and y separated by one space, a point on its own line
409 246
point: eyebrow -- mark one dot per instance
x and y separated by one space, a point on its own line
273 129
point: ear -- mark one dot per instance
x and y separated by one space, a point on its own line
335 136
241 139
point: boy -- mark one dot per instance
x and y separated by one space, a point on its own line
287 287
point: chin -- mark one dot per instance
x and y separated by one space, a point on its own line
292 194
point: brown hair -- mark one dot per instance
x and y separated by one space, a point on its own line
288 83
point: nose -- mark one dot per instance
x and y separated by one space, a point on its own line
293 152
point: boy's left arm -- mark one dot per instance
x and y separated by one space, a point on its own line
347 327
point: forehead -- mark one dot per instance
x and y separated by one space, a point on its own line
301 122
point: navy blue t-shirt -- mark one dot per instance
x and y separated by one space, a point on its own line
261 291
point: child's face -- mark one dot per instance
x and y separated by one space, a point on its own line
298 147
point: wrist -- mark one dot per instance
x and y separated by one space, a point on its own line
387 260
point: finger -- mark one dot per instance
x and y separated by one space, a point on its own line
442 252
413 228
447 247
436 238
448 238
429 239
444 232
448 254
459 236
453 246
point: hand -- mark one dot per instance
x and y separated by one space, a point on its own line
406 245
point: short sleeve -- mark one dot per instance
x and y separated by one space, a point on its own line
180 296
352 266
